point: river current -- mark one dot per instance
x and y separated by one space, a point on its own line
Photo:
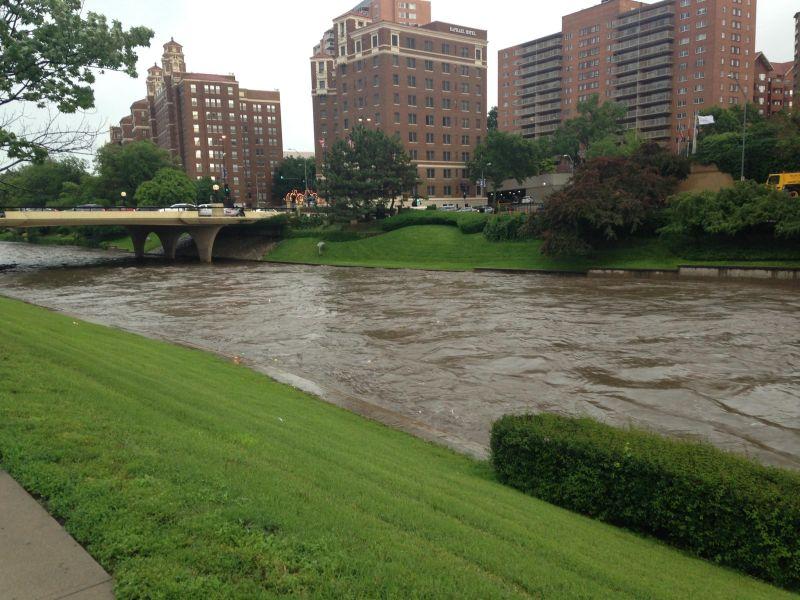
444 354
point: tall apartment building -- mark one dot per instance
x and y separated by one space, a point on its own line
425 82
772 85
664 61
211 124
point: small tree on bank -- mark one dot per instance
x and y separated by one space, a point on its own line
366 169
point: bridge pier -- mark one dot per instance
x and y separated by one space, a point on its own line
204 240
138 237
169 241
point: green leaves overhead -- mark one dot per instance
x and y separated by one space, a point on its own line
49 54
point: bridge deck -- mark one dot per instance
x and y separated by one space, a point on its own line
45 218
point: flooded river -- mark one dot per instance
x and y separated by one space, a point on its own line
444 354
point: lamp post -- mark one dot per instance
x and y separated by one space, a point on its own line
744 121
571 163
483 177
213 196
123 195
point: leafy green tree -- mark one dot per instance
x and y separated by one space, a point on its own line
367 169
492 120
36 185
773 144
504 155
206 193
123 168
49 53
169 186
596 123
292 174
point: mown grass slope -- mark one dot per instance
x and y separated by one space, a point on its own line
440 247
188 476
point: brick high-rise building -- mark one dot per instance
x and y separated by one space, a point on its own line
772 85
665 61
425 82
212 125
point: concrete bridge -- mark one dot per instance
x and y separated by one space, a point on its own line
168 225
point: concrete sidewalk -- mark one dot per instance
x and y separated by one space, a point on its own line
38 558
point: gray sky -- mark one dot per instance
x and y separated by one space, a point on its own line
266 44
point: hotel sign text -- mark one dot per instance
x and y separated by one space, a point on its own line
463 31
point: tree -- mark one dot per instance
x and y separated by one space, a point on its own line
504 155
292 174
205 191
610 199
595 124
168 187
492 120
37 185
123 168
773 144
366 169
49 53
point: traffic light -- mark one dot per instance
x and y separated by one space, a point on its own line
227 191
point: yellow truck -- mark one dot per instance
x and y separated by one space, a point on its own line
785 182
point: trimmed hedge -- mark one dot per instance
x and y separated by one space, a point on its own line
468 223
506 228
716 505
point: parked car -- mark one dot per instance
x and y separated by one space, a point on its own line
526 200
179 207
89 207
204 210
467 209
449 207
485 209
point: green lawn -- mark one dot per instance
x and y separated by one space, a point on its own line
439 247
188 476
125 243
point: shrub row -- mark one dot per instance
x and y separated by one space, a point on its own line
718 506
467 222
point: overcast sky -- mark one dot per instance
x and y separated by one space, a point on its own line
267 44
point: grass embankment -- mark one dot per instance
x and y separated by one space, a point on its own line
439 247
126 243
188 476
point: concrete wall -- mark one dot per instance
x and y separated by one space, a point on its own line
706 178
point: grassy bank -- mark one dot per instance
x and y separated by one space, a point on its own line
441 247
188 476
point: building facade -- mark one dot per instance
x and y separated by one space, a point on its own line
424 82
212 125
665 61
773 85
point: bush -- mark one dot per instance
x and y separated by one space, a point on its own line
716 505
611 199
746 210
432 207
411 218
470 223
505 228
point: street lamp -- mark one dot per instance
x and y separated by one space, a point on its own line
744 120
213 196
571 163
123 195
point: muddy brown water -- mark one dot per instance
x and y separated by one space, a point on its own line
444 354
